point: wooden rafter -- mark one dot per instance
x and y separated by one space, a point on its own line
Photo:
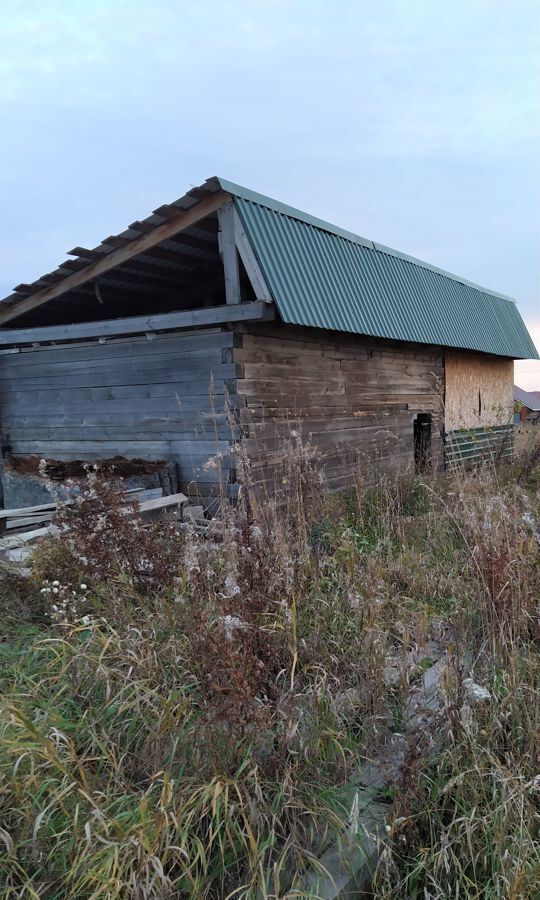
139 275
173 256
251 264
185 292
189 240
210 225
98 267
176 256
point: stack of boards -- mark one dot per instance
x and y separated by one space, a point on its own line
21 527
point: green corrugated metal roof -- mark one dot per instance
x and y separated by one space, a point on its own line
322 276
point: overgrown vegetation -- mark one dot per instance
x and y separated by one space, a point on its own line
181 716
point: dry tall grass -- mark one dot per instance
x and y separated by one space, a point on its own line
180 717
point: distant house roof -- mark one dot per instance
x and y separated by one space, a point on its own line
322 276
530 399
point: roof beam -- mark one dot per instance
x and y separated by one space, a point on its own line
174 256
185 292
189 240
213 315
137 275
210 225
172 226
182 259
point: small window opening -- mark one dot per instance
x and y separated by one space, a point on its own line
422 442
479 403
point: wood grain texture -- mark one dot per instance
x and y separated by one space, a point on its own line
353 398
159 399
192 318
228 253
479 390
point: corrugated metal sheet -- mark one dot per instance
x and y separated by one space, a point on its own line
473 446
324 277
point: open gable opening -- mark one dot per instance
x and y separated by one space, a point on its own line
183 272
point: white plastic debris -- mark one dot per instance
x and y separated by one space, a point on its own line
475 692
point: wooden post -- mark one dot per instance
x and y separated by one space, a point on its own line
229 255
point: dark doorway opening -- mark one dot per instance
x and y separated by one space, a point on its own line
422 443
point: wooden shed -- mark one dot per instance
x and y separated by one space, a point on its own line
224 298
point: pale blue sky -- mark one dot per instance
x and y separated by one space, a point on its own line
413 123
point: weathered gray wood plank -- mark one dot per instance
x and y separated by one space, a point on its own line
67 354
161 431
203 362
198 448
111 413
160 390
185 382
139 324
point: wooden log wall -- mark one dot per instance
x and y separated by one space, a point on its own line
355 398
134 397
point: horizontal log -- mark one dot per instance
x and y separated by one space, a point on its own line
139 324
25 511
187 343
201 364
278 387
330 424
266 408
74 394
273 362
272 350
118 340
153 431
156 375
339 340
135 447
112 412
